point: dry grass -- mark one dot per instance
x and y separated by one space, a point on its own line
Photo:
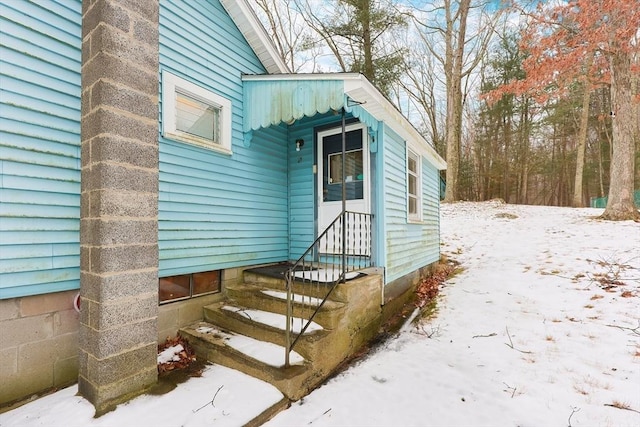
595 383
620 405
581 390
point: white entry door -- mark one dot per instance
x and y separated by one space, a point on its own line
356 182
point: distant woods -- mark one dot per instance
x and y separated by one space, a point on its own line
525 151
531 105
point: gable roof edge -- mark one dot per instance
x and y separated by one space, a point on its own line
252 29
359 88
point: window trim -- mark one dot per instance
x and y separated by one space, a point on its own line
414 217
169 84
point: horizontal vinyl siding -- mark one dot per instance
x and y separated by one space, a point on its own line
218 211
430 212
40 64
409 246
302 184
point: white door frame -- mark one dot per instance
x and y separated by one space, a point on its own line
328 211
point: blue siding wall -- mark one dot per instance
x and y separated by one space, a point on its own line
409 246
302 184
430 212
215 210
40 48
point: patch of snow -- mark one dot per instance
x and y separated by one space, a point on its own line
324 275
205 329
525 335
170 354
302 299
266 352
238 399
273 319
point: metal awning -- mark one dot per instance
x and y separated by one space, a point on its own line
284 98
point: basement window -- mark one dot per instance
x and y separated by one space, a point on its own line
184 286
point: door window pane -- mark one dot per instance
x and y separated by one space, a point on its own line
353 167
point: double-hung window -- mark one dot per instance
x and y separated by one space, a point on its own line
414 199
193 114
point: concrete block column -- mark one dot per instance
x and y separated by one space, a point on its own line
119 200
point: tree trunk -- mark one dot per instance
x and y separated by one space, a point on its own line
454 123
636 113
454 51
601 130
524 196
552 188
578 200
369 71
620 205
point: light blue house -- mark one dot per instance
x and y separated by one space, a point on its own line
248 169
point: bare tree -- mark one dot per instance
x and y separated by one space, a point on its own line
445 30
357 33
291 36
423 87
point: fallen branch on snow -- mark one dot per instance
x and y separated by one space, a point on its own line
626 408
573 411
492 334
612 277
434 331
318 417
210 403
511 345
635 331
511 388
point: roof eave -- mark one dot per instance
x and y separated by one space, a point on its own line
400 124
250 26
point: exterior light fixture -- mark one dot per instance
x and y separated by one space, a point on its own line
299 143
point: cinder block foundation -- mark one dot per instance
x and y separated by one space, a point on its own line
39 345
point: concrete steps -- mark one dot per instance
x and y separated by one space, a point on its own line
266 326
265 298
254 357
246 331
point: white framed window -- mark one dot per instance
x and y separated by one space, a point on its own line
414 192
193 114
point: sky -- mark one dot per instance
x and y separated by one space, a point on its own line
541 328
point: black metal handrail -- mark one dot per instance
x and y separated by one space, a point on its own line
343 247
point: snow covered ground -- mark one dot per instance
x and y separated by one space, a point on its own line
542 328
